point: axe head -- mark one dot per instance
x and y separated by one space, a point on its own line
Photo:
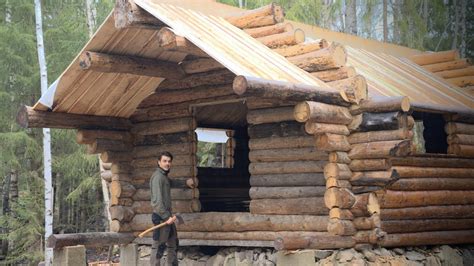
179 219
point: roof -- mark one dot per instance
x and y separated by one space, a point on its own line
112 94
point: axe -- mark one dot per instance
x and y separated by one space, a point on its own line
179 220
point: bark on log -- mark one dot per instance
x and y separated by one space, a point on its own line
270 115
164 126
322 113
328 241
429 212
428 238
293 167
403 199
168 40
302 48
370 165
338 171
103 145
456 64
282 155
286 192
241 222
287 180
339 198
433 58
417 184
29 118
207 79
95 239
114 157
332 142
161 112
155 150
269 30
383 135
382 105
354 87
459 128
414 226
335 74
128 14
252 235
420 172
341 227
339 157
315 128
250 86
267 15
165 139
84 136
379 149
281 142
313 206
176 194
282 129
334 56
374 178
201 65
108 63
283 39
461 150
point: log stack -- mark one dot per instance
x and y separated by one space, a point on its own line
460 138
449 66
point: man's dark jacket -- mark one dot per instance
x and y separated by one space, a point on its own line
161 194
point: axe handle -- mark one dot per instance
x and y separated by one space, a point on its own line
151 229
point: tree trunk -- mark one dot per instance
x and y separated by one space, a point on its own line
351 17
385 23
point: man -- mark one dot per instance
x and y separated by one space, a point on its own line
166 236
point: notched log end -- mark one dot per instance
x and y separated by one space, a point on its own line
240 85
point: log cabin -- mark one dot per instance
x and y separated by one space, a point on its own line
328 146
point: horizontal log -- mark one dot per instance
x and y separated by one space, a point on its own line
339 198
354 87
341 227
374 178
201 65
176 194
108 63
269 30
339 157
165 139
282 155
177 206
414 226
468 71
94 239
334 56
335 74
338 171
128 14
327 241
178 160
155 150
121 170
433 58
168 40
286 192
379 149
332 142
429 161
121 213
241 222
102 145
118 227
113 157
337 183
420 172
120 201
455 64
461 150
461 139
367 223
250 86
373 236
300 206
213 78
379 121
365 205
382 105
250 235
383 135
322 113
282 39
27 117
417 184
302 48
270 115
164 126
287 180
121 189
84 136
370 165
267 15
429 238
461 81
402 199
429 212
292 167
459 128
281 142
282 129
341 214
175 172
315 128
161 112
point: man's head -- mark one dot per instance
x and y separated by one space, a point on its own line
164 160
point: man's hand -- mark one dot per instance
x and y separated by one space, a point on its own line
171 220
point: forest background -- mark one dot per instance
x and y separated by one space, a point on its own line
433 25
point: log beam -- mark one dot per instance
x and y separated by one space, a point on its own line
168 40
96 239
